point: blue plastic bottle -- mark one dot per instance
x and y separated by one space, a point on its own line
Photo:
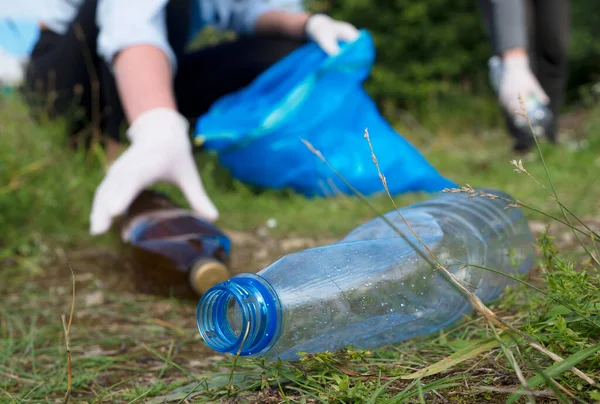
540 116
371 288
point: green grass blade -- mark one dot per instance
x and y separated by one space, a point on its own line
381 389
144 394
420 391
403 394
559 367
555 300
314 396
170 362
409 391
462 355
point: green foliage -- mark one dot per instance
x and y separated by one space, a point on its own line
585 48
426 51
43 184
567 318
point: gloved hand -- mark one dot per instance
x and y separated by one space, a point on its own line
160 151
517 79
326 32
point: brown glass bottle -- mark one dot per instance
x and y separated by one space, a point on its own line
173 251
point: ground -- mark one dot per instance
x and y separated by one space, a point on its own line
126 346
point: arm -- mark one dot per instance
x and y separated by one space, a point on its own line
510 31
133 41
143 77
141 60
282 22
288 18
510 27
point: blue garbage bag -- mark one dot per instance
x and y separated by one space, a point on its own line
257 132
18 35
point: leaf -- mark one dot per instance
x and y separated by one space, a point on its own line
558 310
558 368
468 352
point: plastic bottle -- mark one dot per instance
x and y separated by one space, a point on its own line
539 114
371 288
173 251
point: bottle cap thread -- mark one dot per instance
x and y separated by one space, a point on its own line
240 316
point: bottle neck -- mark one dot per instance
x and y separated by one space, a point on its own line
242 315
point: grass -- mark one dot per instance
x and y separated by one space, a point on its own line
131 347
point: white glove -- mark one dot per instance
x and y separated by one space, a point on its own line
517 79
326 32
160 151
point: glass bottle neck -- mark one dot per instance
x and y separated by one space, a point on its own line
240 316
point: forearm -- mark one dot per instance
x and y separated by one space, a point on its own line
282 22
144 80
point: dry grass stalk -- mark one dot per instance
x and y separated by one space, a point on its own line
553 195
536 393
475 302
519 373
67 330
511 203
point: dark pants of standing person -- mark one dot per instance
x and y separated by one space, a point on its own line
548 28
67 78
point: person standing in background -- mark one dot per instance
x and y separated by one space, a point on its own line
532 38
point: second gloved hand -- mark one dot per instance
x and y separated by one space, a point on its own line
326 32
518 79
160 151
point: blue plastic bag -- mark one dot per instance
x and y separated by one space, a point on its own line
258 131
18 36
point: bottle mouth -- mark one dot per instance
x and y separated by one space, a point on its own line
240 316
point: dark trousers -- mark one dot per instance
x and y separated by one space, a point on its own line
67 78
548 28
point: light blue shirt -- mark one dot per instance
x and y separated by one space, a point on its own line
124 23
